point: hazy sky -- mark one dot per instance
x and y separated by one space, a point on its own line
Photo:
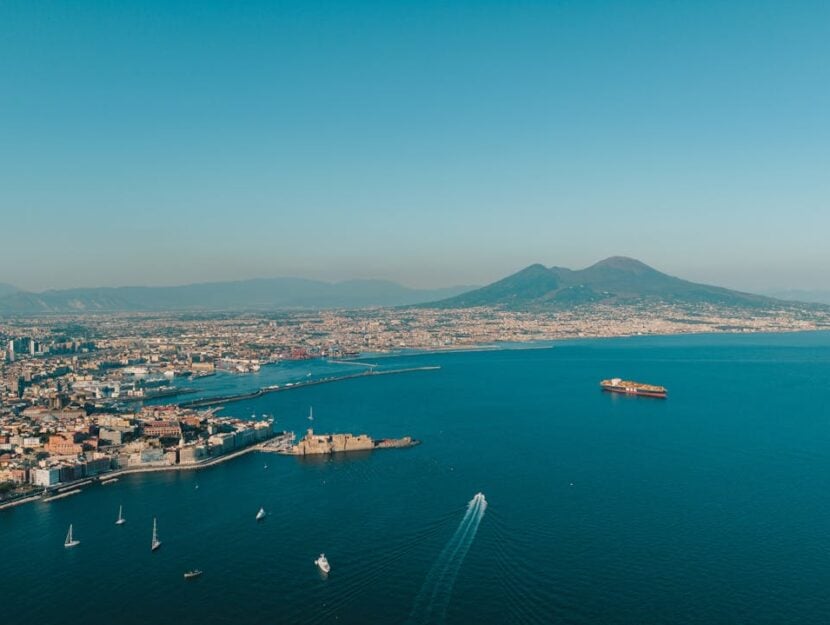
433 143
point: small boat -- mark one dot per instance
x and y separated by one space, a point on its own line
311 414
155 543
192 574
120 520
261 514
70 542
322 563
197 487
266 465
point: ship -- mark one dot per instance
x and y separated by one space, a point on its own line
193 573
323 564
627 387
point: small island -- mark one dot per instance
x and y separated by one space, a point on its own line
317 444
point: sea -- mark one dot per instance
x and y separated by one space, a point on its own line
709 507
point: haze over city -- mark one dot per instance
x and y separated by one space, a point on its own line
436 144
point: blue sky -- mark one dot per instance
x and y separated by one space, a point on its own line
432 143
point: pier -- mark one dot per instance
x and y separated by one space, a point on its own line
226 399
68 493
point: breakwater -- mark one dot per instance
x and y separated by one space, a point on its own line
226 399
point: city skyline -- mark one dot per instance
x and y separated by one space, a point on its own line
434 145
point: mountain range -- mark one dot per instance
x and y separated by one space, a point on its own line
615 280
256 294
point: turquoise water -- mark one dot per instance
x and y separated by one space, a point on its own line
710 507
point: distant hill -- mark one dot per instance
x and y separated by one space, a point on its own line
257 294
6 289
615 280
803 295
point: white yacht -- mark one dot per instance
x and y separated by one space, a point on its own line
70 542
156 543
120 520
261 514
322 563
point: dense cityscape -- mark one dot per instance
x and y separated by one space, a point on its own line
73 389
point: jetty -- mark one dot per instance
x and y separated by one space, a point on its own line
68 493
276 388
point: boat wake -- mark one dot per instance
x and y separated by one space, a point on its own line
434 598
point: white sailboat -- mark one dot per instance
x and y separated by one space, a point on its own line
261 514
70 542
120 520
156 543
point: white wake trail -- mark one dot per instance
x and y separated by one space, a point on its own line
433 599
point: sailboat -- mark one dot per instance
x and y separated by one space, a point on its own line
70 542
156 543
120 520
261 514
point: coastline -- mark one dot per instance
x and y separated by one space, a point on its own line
72 487
550 343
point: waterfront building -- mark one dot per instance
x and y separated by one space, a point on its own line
223 443
48 476
313 443
191 454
